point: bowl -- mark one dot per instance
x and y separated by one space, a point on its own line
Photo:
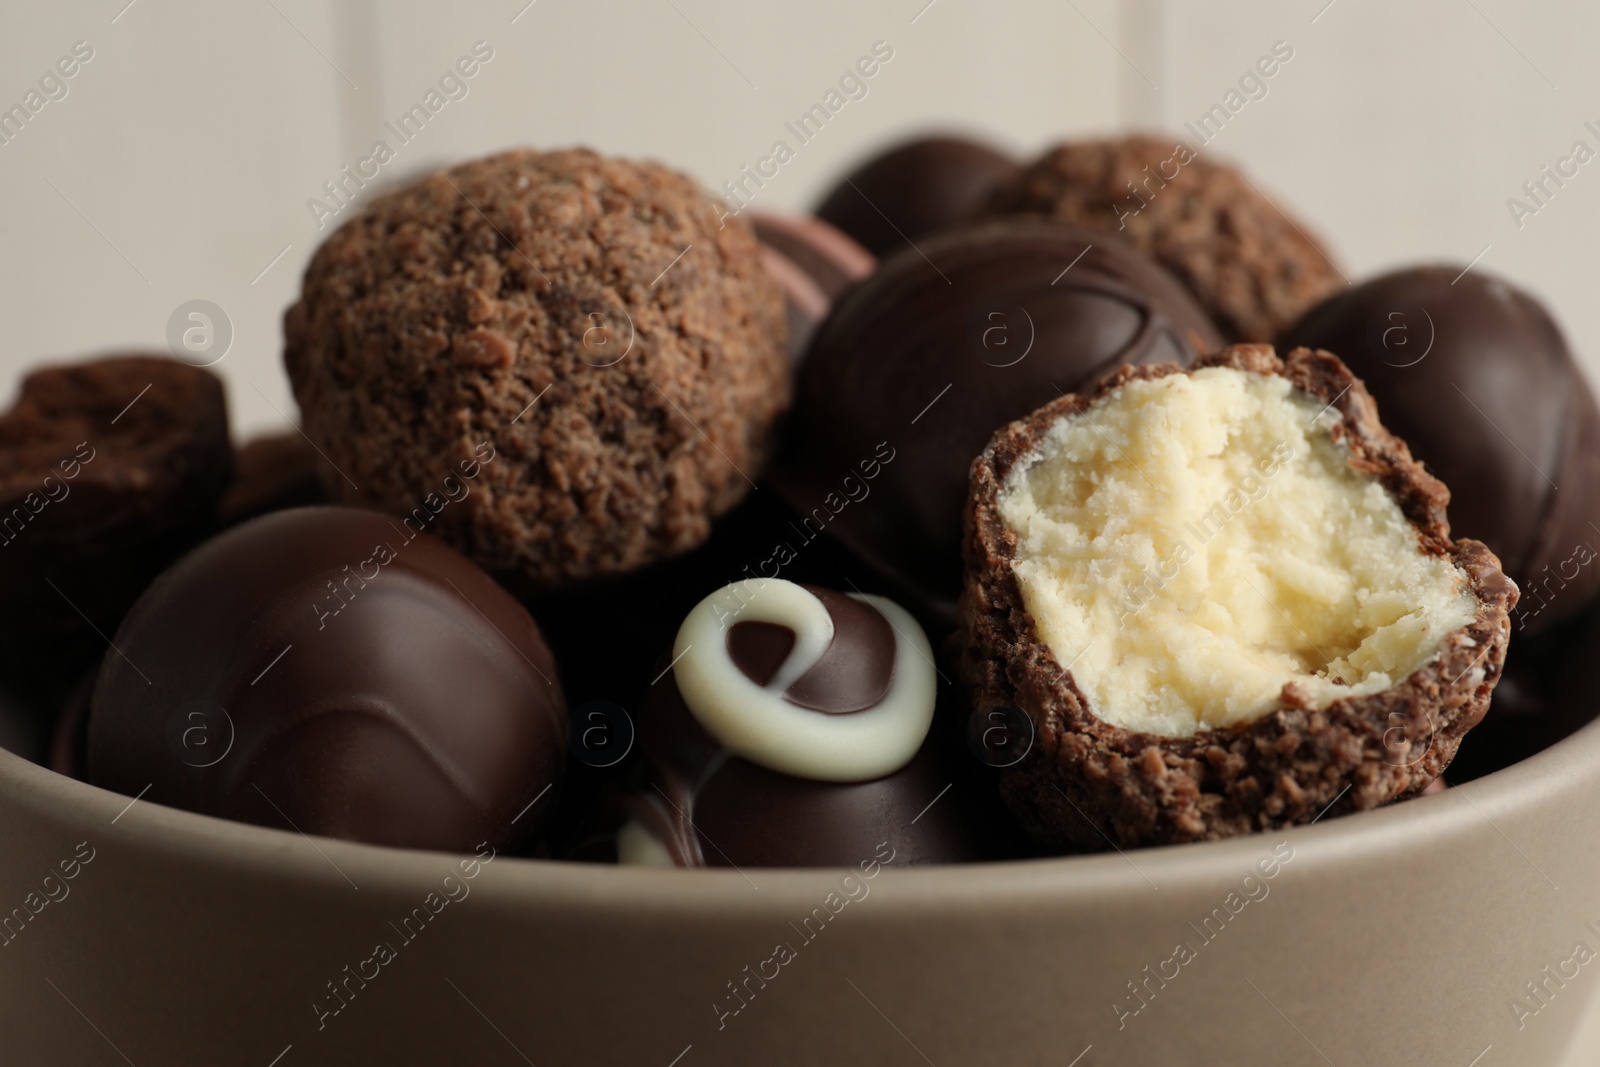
1452 929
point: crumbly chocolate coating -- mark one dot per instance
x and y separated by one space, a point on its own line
1085 782
1251 266
494 303
109 470
272 474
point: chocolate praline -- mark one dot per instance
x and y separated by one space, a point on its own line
110 469
1476 376
722 789
333 671
921 363
914 188
813 263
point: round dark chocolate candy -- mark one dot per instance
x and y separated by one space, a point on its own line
813 263
793 730
1475 376
913 189
921 363
337 672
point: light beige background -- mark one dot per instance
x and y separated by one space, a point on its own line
180 162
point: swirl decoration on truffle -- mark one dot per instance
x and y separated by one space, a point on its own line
798 719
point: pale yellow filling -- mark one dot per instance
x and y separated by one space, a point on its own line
1192 544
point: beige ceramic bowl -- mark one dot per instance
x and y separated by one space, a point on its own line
1406 936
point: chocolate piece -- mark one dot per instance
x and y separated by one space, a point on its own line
1477 377
109 470
584 332
272 474
1251 266
789 773
813 263
919 365
330 670
914 189
1373 701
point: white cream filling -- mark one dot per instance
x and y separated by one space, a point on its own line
1192 544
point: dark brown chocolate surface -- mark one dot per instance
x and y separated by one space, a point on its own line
109 470
921 363
813 263
332 671
1250 265
712 808
1475 375
914 188
272 473
1086 782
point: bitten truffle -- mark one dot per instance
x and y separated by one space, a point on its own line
1252 267
792 729
109 470
589 319
1227 599
1475 375
918 364
332 671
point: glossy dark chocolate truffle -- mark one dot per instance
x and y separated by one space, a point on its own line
920 364
813 263
707 806
333 671
1476 377
913 189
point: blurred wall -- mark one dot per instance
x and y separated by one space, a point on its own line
177 162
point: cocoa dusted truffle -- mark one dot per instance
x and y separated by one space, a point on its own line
913 189
618 350
919 364
109 470
1475 375
1251 266
1226 598
336 672
792 729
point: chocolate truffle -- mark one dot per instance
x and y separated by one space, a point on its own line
587 321
813 263
792 730
109 470
333 671
913 189
922 362
1475 375
1227 599
1250 265
272 473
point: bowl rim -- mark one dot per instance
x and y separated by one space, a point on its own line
185 837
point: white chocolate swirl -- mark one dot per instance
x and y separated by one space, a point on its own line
758 724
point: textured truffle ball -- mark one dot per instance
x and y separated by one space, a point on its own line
913 189
1251 266
619 351
1476 376
331 671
